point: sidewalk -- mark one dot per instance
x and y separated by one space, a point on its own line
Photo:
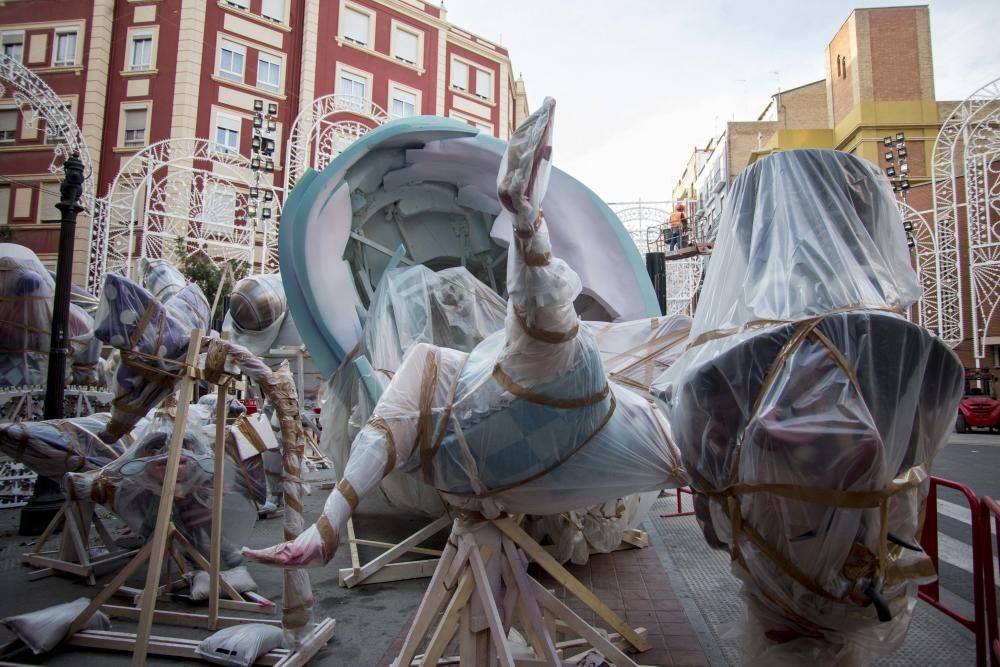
677 588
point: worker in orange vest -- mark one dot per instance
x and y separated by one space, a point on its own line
678 221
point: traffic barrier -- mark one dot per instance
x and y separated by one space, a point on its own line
680 505
931 593
990 511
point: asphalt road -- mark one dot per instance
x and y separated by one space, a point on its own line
973 460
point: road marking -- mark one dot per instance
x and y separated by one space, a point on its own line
954 511
959 554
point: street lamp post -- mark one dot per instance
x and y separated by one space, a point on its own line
48 497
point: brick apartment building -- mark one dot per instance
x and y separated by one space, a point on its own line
879 82
136 72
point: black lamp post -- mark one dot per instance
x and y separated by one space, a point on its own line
48 497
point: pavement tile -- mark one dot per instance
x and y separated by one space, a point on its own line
646 619
654 656
684 644
667 604
689 658
676 629
634 604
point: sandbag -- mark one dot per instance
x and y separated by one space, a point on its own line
240 645
42 630
238 577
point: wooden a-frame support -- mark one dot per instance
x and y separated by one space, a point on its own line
165 537
384 567
482 583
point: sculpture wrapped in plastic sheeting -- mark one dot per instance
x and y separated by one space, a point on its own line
130 487
152 338
27 291
526 422
53 448
808 411
160 278
257 309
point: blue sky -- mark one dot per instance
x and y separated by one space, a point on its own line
641 82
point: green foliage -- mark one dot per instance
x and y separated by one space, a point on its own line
6 233
206 272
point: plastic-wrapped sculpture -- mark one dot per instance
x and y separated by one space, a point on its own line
808 410
152 337
55 447
26 293
526 422
130 486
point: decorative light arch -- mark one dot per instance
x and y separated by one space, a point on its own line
186 188
956 156
923 256
683 276
324 129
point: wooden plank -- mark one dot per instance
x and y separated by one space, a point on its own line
636 537
372 566
429 606
413 569
51 528
165 509
571 583
353 545
110 589
527 601
485 593
449 620
218 488
174 647
388 545
584 629
187 619
311 645
57 564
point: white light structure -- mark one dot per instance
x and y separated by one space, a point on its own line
967 148
644 223
37 101
923 254
324 129
191 189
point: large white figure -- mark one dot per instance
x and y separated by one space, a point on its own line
526 422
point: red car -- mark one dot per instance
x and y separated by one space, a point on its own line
978 409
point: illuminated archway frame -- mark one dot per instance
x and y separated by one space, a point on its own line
683 276
37 101
324 129
923 256
182 188
966 147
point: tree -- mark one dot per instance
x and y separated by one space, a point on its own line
207 272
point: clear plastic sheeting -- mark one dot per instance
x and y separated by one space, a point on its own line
526 422
42 630
152 338
130 486
809 412
257 309
53 448
160 278
26 295
448 308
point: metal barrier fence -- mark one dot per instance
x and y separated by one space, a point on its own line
984 623
931 593
990 511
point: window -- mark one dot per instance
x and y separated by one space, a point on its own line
227 133
13 45
355 26
231 59
142 52
484 84
403 103
354 86
64 49
405 45
459 75
135 128
242 4
268 72
4 204
274 10
8 125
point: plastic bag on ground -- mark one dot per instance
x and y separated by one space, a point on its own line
240 645
42 630
809 412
